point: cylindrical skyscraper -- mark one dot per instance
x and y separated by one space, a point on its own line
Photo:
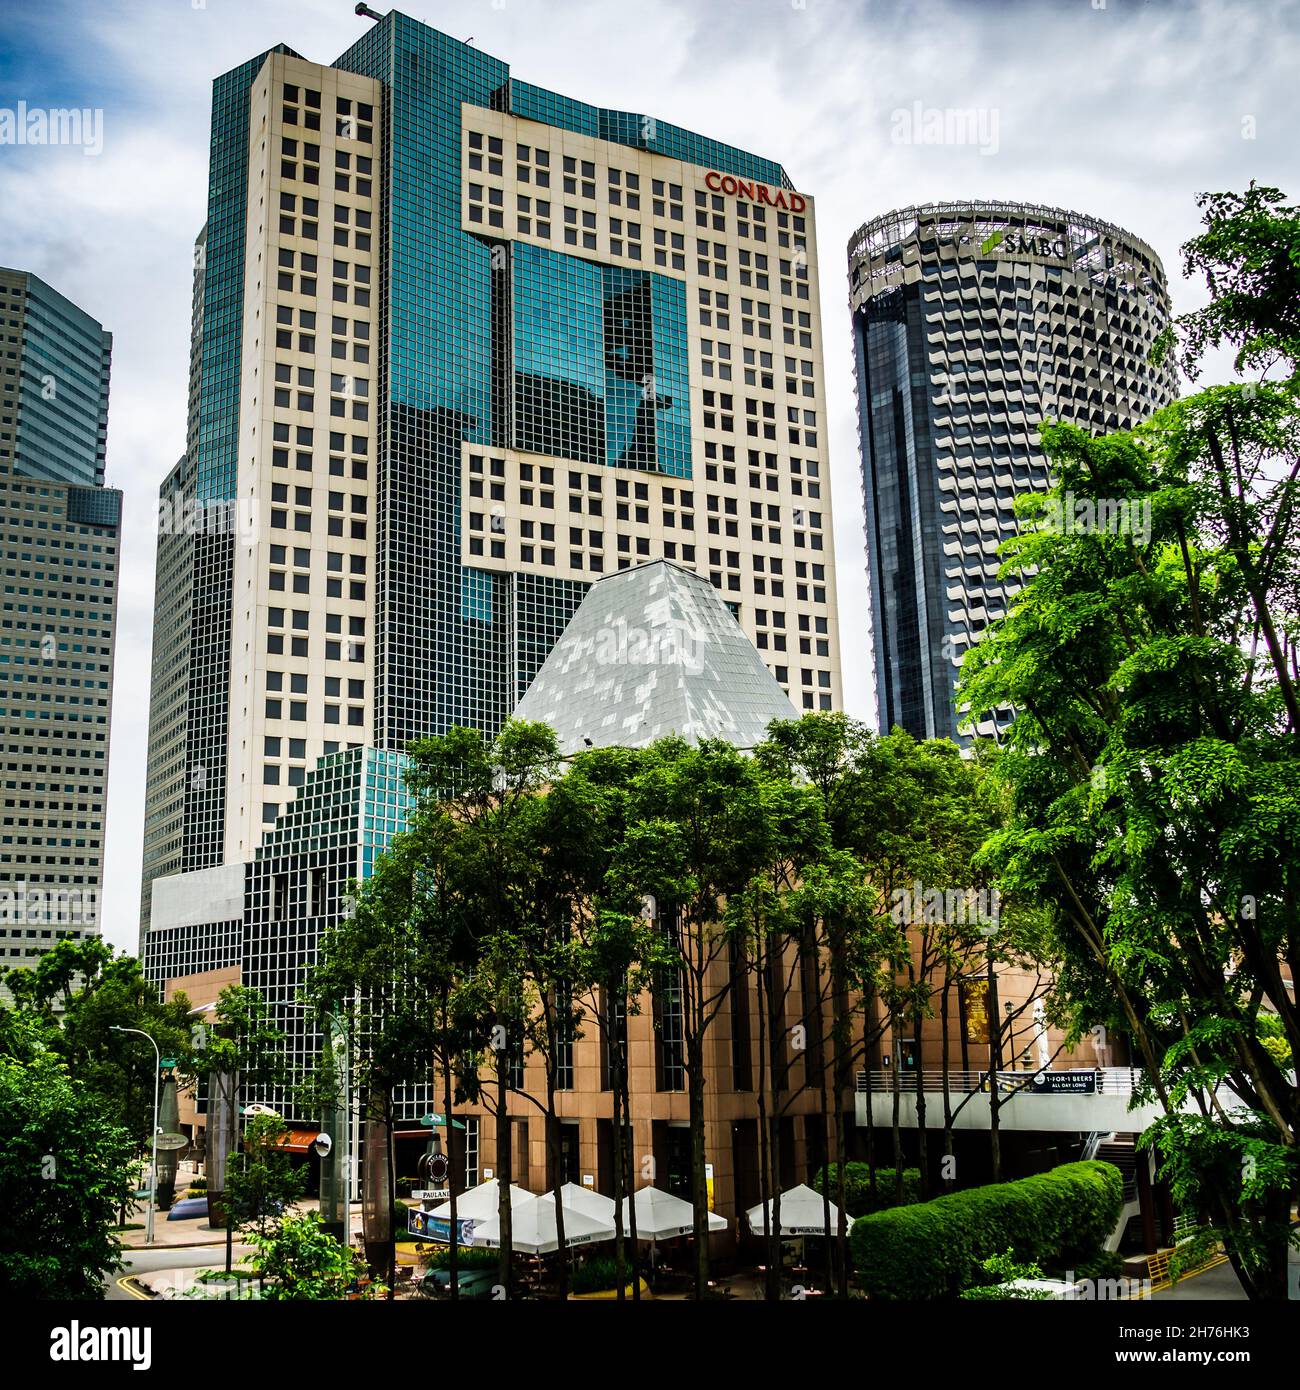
972 324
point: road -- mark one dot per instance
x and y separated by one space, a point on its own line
164 1257
1218 1285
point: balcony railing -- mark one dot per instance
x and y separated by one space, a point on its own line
1101 1081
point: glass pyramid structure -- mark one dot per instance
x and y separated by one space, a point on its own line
653 651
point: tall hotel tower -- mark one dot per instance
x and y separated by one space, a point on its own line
462 346
60 536
973 323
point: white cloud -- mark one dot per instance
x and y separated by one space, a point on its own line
1123 112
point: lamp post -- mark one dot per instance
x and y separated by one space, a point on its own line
153 1165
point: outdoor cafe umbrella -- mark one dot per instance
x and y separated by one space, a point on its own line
660 1216
481 1202
533 1232
585 1200
802 1214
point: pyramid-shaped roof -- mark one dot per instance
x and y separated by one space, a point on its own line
653 651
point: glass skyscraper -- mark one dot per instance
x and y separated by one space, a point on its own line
462 347
60 534
972 324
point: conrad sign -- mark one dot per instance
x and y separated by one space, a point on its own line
747 190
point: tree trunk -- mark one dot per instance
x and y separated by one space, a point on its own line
631 1176
771 1275
505 1170
699 1179
995 1069
922 1146
896 1054
557 1179
945 1061
392 1191
616 1087
778 1043
232 1148
453 1245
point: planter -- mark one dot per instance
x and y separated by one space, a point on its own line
607 1294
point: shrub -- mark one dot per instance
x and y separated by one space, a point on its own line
1009 1273
467 1257
598 1274
1105 1264
936 1249
859 1200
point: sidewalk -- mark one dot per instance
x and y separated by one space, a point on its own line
196 1230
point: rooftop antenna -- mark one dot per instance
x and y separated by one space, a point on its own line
363 9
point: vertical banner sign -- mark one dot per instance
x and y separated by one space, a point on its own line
975 997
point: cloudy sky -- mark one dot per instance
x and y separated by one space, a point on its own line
1118 108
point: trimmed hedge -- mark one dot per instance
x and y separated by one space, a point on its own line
935 1249
859 1200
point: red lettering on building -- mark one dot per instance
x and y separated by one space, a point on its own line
754 192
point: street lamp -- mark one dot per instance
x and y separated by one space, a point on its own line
153 1166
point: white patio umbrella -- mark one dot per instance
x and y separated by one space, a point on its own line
660 1215
533 1231
585 1200
802 1214
481 1202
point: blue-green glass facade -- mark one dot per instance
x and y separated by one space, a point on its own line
641 132
210 474
64 357
600 362
440 648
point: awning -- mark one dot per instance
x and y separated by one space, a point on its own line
298 1141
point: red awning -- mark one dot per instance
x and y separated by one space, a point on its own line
297 1141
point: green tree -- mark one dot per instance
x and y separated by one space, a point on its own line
65 1170
699 828
619 953
59 972
262 1180
96 992
297 1260
1153 767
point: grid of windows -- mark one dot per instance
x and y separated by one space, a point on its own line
192 950
59 554
345 814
